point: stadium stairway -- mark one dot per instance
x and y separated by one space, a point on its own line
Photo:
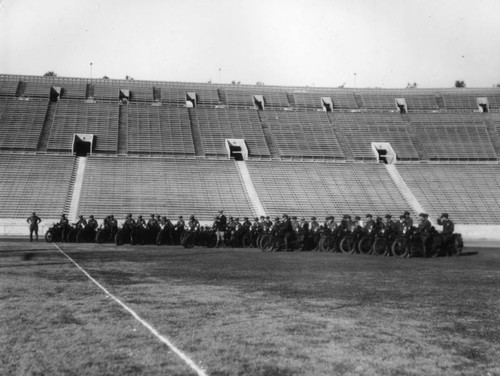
258 208
273 149
77 188
47 126
404 189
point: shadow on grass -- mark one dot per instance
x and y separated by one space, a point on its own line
469 254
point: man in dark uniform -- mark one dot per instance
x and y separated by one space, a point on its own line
315 232
220 228
408 220
64 224
129 223
368 226
92 223
113 224
141 223
81 223
401 225
193 224
246 223
424 229
287 233
33 221
304 227
152 224
268 224
448 228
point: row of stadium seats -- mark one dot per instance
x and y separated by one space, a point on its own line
166 186
211 95
118 185
38 183
164 130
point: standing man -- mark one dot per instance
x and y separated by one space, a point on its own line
33 221
424 229
448 228
220 228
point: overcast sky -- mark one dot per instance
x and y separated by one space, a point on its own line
362 43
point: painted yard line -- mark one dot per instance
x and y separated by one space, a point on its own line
148 326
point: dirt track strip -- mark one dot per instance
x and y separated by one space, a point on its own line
148 326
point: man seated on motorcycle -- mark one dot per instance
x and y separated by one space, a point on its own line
246 224
391 227
193 224
357 227
368 227
256 230
448 228
345 224
129 223
268 224
276 225
92 224
81 223
113 223
330 224
152 223
141 223
378 225
303 227
164 221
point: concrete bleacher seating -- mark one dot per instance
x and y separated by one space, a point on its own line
32 182
206 96
153 130
70 117
342 99
21 123
361 129
171 187
465 100
171 159
299 134
468 192
416 100
8 86
447 136
325 188
216 125
242 96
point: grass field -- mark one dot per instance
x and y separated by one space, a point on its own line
244 312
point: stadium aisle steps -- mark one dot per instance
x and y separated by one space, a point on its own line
47 127
76 188
122 130
249 187
197 139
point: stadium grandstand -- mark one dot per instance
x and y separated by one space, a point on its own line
101 146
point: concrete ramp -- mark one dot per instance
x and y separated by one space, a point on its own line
77 189
258 208
405 190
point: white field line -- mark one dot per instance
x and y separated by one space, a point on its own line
148 326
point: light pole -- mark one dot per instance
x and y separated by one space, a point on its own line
355 83
90 70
